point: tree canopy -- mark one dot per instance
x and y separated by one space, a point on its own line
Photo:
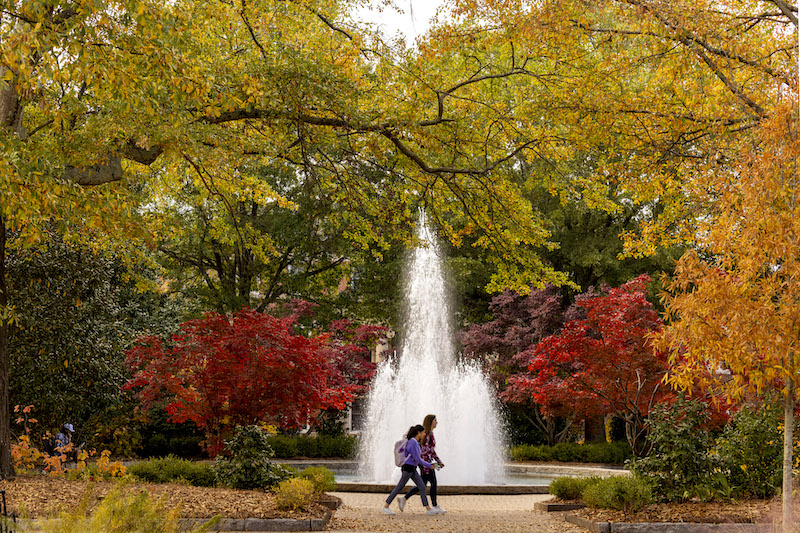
112 110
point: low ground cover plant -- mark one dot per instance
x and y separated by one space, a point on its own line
571 488
123 513
295 494
322 478
173 469
625 493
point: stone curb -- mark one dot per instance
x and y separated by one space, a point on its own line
230 524
664 527
450 490
263 524
549 507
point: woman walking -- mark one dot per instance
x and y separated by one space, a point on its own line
409 469
428 453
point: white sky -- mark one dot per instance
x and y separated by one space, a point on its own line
413 20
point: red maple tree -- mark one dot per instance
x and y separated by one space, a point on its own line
602 363
220 371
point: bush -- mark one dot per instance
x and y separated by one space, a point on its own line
751 450
171 469
161 437
571 488
625 493
102 469
123 513
245 462
294 494
283 447
323 479
323 446
342 446
681 464
608 453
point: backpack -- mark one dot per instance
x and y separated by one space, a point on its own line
400 454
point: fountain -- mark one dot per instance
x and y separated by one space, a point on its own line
426 378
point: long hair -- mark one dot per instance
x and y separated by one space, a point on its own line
428 422
413 431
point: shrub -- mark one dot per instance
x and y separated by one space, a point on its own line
173 469
283 446
322 446
102 469
294 494
625 493
571 488
681 463
245 462
307 446
340 446
323 479
608 453
123 513
751 450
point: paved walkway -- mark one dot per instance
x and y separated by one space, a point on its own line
496 514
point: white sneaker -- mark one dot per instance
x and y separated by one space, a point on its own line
386 510
438 509
432 511
401 502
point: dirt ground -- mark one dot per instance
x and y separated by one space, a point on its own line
42 496
748 511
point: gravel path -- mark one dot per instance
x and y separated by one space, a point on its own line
497 514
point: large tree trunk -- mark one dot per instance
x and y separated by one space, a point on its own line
788 435
6 465
10 119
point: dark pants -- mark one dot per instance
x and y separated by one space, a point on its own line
409 472
430 477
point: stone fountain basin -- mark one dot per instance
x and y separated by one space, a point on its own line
541 473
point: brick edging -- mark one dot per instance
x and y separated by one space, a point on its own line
664 527
226 524
263 524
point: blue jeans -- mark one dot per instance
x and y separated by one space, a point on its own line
409 472
426 478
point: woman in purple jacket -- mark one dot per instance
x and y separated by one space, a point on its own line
428 475
409 469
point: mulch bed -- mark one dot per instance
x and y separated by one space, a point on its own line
747 511
42 496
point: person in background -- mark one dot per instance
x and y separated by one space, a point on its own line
409 470
428 453
64 439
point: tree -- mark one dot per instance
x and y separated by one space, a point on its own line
603 363
733 304
350 352
77 312
518 322
219 372
107 109
141 97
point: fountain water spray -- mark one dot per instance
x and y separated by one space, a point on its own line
426 379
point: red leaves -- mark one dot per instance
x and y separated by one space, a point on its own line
602 363
220 372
